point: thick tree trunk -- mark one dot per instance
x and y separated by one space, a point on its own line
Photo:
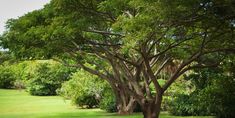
123 110
125 103
152 109
126 109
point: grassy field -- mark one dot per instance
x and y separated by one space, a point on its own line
18 104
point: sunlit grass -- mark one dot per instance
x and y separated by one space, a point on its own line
18 104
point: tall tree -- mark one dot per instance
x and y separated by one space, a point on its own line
131 42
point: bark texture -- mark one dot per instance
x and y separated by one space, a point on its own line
151 109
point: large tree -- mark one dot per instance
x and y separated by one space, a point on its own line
131 42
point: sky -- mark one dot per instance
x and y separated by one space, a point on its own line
15 8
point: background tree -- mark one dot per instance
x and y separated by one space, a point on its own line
131 42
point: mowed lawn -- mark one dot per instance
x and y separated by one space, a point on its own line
19 104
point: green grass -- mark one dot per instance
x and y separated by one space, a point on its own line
18 104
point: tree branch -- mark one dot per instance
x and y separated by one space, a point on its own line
182 65
161 67
172 45
105 33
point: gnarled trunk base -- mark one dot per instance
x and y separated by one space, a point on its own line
126 109
151 113
124 112
151 109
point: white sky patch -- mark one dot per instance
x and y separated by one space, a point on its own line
15 8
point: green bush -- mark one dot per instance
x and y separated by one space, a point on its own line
87 101
108 102
47 78
21 71
84 89
180 87
17 73
7 77
179 105
219 97
187 105
213 95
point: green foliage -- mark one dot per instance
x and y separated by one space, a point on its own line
87 101
4 56
181 99
21 72
47 78
18 70
131 34
83 89
214 94
180 87
219 97
187 105
7 77
108 101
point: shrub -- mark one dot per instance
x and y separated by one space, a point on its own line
219 97
187 105
7 77
179 105
47 78
108 102
181 87
83 89
87 101
214 95
21 71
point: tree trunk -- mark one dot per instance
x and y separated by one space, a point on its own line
122 110
125 103
126 109
152 109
